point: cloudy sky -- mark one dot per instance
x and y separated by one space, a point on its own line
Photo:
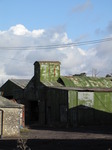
29 27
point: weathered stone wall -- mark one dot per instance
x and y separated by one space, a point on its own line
11 122
0 122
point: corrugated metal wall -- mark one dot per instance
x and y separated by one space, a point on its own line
87 108
56 106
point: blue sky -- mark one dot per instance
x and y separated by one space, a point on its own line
82 17
40 22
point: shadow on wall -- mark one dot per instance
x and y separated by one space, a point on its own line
84 116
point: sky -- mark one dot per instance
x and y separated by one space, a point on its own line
28 27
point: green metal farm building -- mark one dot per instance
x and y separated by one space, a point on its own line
52 99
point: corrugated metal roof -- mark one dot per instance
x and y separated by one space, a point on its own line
52 84
20 82
6 103
86 82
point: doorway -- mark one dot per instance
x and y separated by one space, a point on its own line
34 111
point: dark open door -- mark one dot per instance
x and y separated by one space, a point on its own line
34 111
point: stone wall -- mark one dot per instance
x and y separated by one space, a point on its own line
0 122
11 122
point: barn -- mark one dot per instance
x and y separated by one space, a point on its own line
71 100
55 100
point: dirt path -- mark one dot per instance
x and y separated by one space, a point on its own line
69 134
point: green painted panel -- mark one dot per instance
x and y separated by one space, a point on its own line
103 101
90 108
49 71
72 99
98 100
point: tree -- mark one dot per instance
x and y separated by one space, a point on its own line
95 72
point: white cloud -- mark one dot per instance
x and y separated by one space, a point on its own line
82 52
37 33
19 63
18 30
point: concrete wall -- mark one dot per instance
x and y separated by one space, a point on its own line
0 123
11 122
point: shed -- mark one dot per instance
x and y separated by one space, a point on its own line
10 114
14 88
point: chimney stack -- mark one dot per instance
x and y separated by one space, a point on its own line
46 70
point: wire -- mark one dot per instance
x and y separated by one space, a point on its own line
56 45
